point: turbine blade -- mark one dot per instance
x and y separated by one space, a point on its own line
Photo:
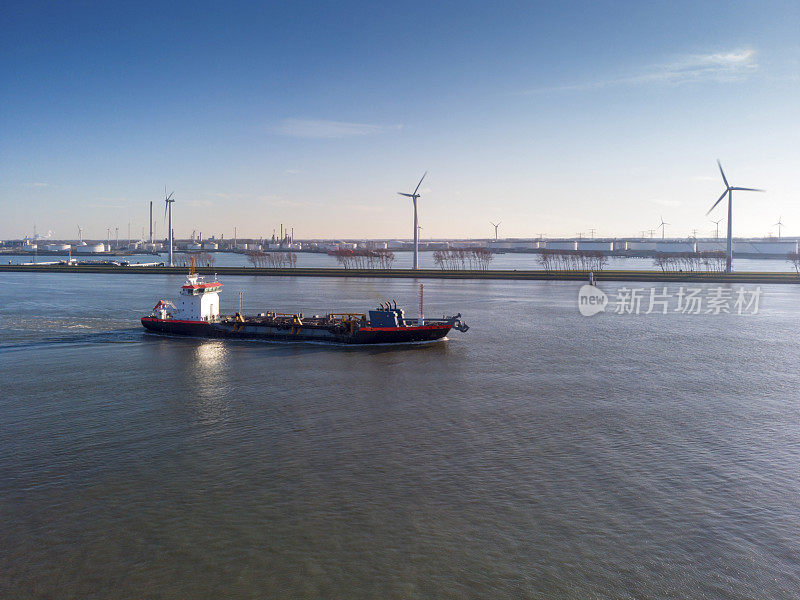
747 189
420 182
725 193
723 174
407 195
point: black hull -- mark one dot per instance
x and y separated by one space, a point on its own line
365 335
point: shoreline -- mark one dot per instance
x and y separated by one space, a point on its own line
525 275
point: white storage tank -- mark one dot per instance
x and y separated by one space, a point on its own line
57 247
715 246
564 245
90 248
500 245
525 245
672 247
208 245
776 247
642 246
595 245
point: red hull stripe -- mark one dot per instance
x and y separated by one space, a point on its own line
198 286
409 328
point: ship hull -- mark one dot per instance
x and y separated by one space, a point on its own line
362 335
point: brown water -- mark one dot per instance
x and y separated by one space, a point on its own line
540 454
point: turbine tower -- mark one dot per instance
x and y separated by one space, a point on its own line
495 228
662 224
729 192
80 234
168 202
151 224
779 224
717 224
414 197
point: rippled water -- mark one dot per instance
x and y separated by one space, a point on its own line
540 454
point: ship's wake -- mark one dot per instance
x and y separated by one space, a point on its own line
118 336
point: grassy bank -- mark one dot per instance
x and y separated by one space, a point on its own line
649 276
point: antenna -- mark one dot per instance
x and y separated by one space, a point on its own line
421 318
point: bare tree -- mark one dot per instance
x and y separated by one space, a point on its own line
257 258
794 258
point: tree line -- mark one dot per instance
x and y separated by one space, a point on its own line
693 262
362 258
274 260
572 260
460 259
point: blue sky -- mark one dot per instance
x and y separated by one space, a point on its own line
552 117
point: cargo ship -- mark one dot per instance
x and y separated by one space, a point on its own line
196 313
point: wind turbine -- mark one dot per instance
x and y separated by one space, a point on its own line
662 224
717 224
495 228
168 202
414 197
779 224
729 192
80 234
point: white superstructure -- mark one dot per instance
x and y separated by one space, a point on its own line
199 301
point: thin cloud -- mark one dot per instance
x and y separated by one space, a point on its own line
318 129
717 67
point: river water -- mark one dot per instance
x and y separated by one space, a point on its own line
540 454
